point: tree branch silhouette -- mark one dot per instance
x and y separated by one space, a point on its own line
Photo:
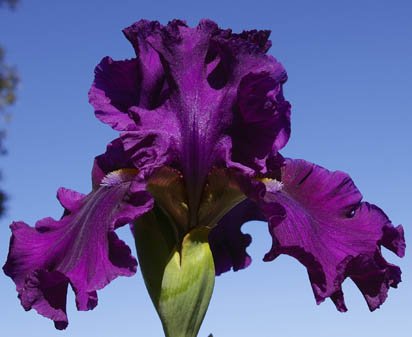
8 85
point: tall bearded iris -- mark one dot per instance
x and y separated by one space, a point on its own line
202 117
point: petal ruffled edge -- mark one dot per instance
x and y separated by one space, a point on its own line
115 89
80 249
318 218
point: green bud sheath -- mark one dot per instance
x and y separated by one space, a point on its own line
179 273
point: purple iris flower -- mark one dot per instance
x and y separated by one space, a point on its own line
202 117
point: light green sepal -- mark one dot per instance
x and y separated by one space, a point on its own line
187 286
179 276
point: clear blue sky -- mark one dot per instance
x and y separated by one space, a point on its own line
350 83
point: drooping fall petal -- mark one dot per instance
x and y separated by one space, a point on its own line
80 249
323 223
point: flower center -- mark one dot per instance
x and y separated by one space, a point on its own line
220 194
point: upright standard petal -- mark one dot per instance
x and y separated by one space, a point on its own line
317 216
80 249
203 97
114 91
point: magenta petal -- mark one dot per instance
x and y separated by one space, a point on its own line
113 159
203 97
153 78
120 86
318 218
69 199
46 293
114 90
262 125
80 249
228 243
147 149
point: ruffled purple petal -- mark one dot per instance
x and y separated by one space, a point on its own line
80 249
263 120
69 199
261 124
228 243
115 89
148 149
317 217
115 158
46 293
153 84
203 97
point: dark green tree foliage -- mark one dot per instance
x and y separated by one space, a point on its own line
8 84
